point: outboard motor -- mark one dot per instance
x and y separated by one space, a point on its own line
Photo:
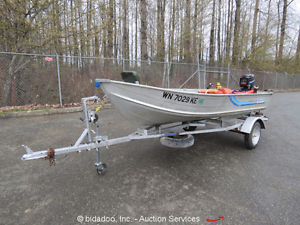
247 82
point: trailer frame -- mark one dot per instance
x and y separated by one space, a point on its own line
170 134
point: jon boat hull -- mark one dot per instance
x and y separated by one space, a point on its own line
148 105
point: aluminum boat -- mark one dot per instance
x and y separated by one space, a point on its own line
148 105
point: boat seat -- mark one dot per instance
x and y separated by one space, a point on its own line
130 77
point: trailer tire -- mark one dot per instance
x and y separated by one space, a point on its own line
252 139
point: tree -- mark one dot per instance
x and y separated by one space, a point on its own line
212 36
160 48
17 29
136 30
172 31
282 32
195 29
82 37
115 29
277 31
235 48
254 26
125 40
88 26
229 30
187 32
297 58
110 28
143 11
74 31
219 32
266 42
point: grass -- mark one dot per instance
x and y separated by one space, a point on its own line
3 112
22 110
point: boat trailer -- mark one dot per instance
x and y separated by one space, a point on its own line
170 135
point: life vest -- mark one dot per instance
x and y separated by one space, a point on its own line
211 91
243 92
225 91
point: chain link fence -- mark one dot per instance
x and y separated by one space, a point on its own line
34 78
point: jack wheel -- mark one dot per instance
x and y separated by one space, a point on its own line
96 118
101 169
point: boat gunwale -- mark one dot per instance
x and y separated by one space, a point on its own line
180 90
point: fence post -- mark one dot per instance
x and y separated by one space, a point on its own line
276 81
204 77
264 81
169 68
199 75
228 75
123 64
58 78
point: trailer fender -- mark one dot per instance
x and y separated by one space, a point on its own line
250 121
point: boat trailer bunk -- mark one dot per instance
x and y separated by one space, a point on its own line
175 135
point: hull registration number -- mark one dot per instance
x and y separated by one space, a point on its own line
182 98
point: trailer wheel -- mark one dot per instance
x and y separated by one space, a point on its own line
101 169
252 139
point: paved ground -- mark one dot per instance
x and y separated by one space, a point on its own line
216 177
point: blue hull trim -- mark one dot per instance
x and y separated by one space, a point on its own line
236 102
